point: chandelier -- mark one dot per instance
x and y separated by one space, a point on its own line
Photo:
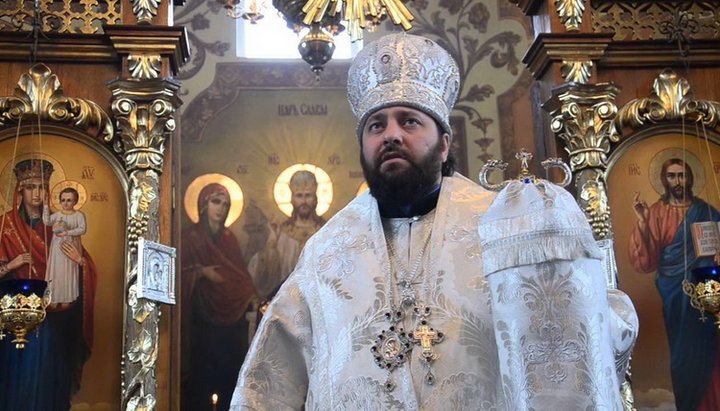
251 10
358 13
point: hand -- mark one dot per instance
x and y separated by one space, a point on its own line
641 209
210 272
71 252
61 233
19 261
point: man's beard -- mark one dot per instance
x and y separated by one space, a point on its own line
680 193
304 211
403 187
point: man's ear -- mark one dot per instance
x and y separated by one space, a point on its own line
445 137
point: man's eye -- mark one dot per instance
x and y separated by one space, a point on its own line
411 121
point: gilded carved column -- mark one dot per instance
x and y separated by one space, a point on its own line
144 112
583 117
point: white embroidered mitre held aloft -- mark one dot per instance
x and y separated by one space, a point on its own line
559 331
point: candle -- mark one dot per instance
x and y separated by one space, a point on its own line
214 401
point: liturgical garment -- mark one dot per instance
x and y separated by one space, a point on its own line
513 281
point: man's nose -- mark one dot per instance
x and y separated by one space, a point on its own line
393 133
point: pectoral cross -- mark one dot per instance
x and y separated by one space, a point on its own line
426 337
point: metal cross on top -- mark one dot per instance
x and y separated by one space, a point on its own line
524 156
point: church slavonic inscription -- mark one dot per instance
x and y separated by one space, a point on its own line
302 110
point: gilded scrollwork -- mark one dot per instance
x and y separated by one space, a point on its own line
671 100
144 112
592 198
144 66
145 10
578 71
570 13
583 117
39 95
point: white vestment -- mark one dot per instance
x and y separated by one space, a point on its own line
549 344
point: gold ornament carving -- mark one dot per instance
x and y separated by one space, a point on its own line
593 200
643 20
671 100
144 66
570 13
145 10
85 17
40 96
578 71
583 117
144 112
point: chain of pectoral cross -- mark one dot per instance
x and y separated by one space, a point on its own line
393 346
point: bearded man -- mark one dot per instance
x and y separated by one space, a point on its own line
271 266
389 305
660 244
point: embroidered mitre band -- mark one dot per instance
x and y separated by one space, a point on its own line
403 70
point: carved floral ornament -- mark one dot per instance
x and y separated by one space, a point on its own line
570 13
671 99
40 96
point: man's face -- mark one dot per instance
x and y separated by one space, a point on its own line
677 181
33 192
304 202
402 148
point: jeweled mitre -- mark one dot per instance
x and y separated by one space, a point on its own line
406 70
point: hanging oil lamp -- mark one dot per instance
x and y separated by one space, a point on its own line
22 307
707 290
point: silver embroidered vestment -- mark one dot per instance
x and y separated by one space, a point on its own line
313 348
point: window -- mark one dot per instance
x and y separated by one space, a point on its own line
270 38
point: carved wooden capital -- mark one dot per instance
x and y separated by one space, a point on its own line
144 113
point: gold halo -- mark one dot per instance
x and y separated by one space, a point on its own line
55 193
283 195
676 152
193 191
362 188
8 179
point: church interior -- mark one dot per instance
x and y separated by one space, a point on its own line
138 115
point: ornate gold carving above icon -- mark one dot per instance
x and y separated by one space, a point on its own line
144 66
145 116
86 17
643 20
583 117
145 10
570 13
577 71
671 100
40 96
